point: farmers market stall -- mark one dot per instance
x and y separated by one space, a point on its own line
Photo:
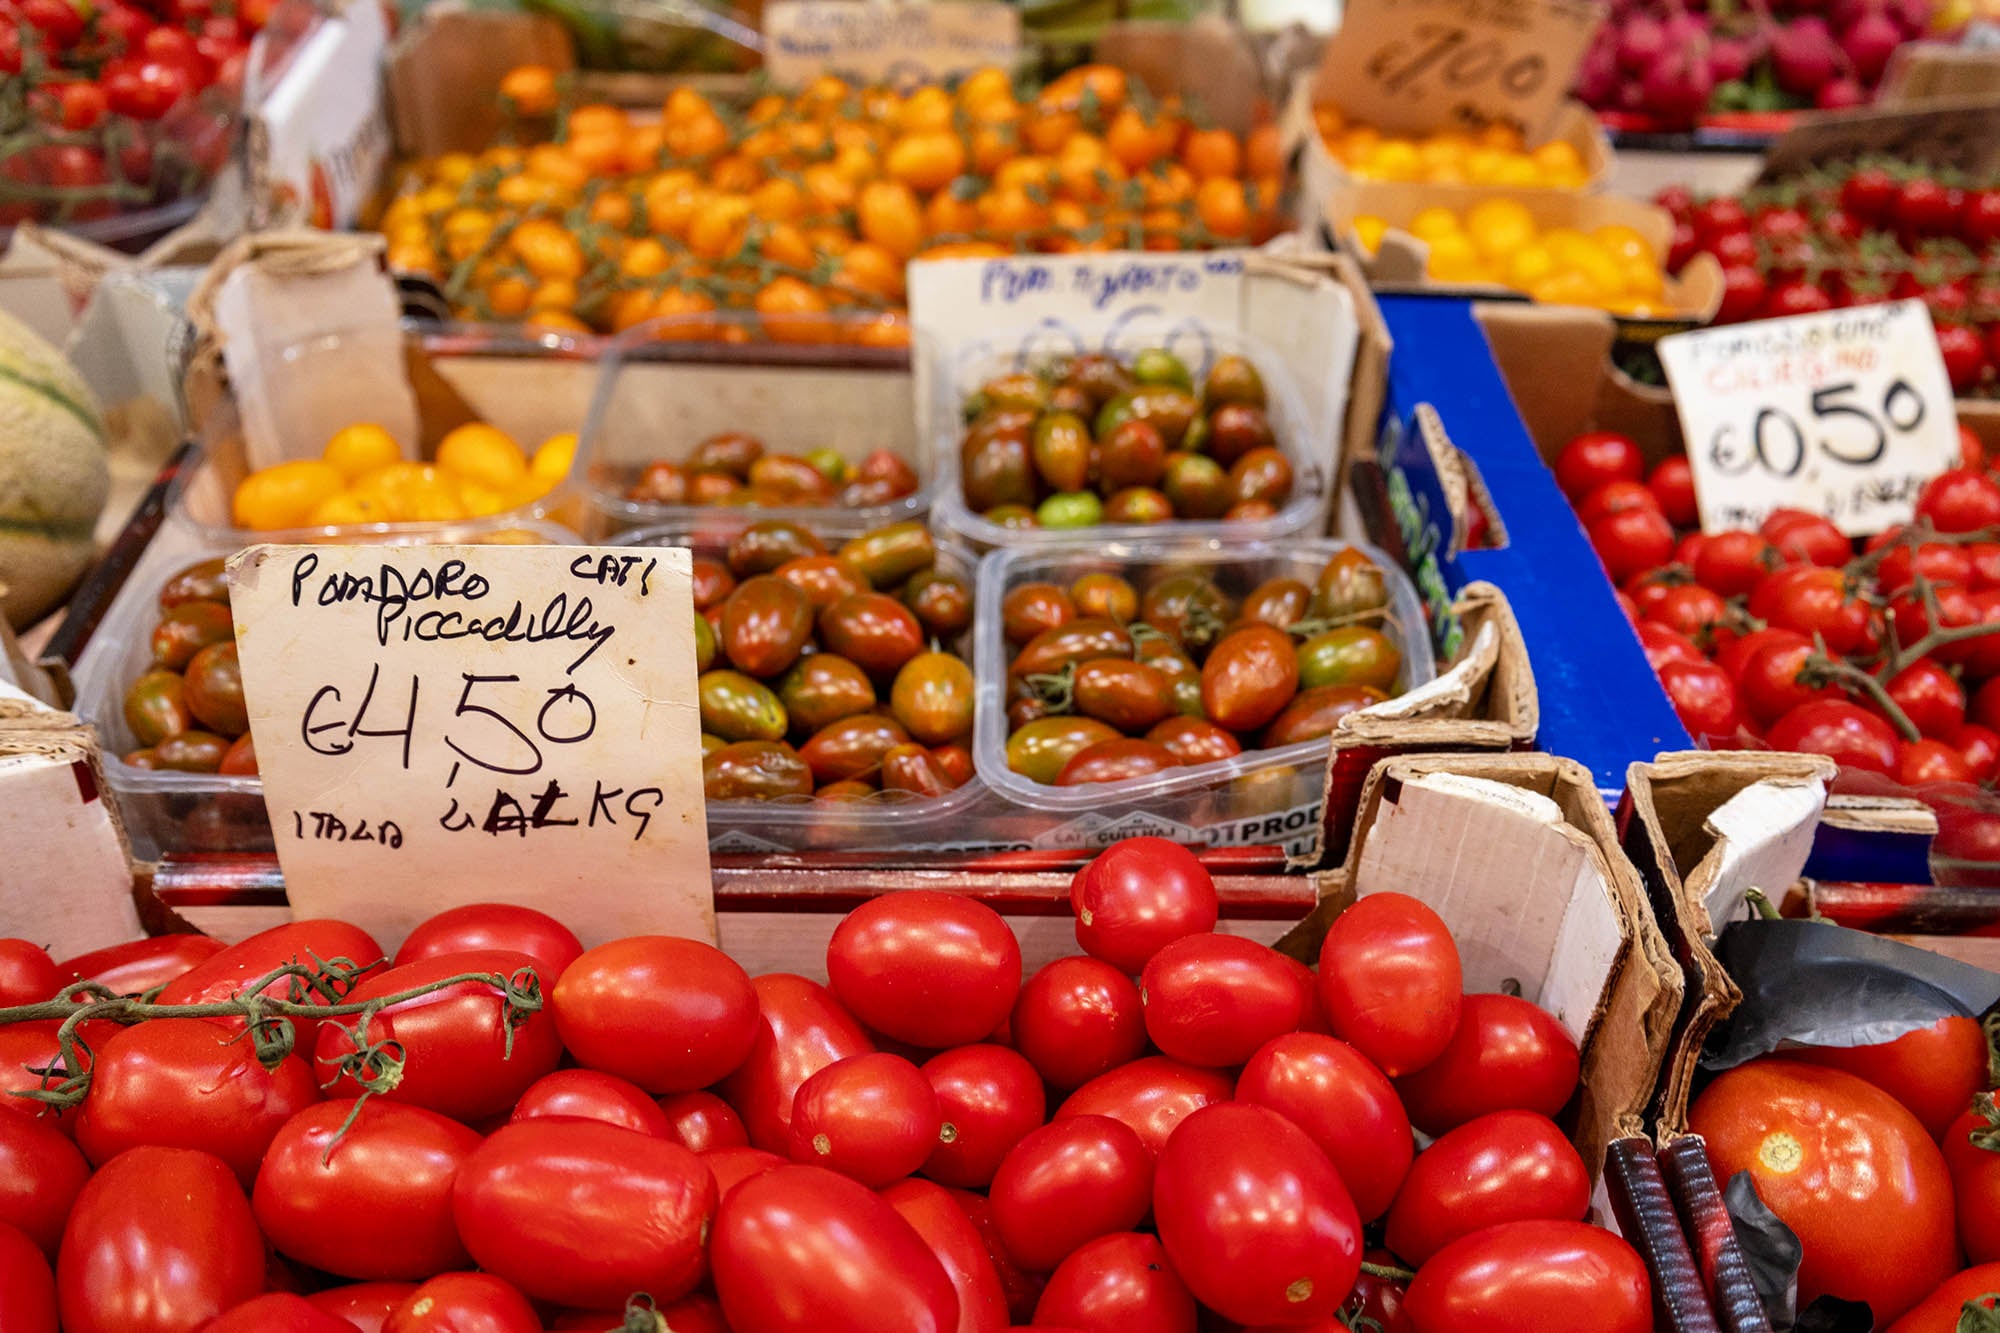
951 668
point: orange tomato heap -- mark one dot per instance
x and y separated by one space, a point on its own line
809 203
1498 241
362 477
1494 155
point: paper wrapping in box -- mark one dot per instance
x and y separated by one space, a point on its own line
66 878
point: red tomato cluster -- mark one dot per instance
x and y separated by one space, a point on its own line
926 1143
88 87
1858 235
1790 637
1884 1160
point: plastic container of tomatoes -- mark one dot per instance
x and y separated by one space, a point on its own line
1309 451
831 383
1257 798
891 825
531 387
194 812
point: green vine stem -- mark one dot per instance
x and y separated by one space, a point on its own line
314 991
1388 1272
1985 1123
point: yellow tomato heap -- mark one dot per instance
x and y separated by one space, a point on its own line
1497 241
362 477
1495 155
813 202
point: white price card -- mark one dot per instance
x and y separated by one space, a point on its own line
877 41
1846 413
1413 66
443 725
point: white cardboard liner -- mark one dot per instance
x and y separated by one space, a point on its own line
1763 835
1445 839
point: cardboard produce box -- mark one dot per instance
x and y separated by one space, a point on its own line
1518 854
1691 297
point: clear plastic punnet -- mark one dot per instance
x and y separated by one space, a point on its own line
891 825
1310 451
1256 799
666 386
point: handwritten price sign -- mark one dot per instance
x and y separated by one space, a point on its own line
1845 414
1413 66
877 41
441 725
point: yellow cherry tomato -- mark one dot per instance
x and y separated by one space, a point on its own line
484 454
1499 227
552 460
285 495
357 450
1431 223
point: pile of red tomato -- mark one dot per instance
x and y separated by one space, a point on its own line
102 106
1789 637
1883 1160
927 1144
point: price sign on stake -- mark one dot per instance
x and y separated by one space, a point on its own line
441 725
1846 414
1413 66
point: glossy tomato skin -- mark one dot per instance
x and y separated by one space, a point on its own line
1212 1000
583 1213
930 969
802 1029
1972 1154
1151 1096
27 973
1121 1283
366 1305
1843 732
1345 1105
395 1166
41 1172
1846 1168
871 1117
1390 981
586 1094
1940 1311
475 926
1933 1071
1078 1018
464 1303
457 1059
1069 1182
1533 1277
1136 897
1597 458
1023 1288
27 1286
1507 1055
278 1312
804 1250
669 1014
186 1083
161 1240
959 1249
27 1047
1255 1217
732 1166
1510 1166
139 966
702 1122
226 973
990 1098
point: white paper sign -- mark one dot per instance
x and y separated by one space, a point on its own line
1413 66
1846 414
1075 303
441 725
878 42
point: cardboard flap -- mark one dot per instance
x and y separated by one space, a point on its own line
1963 134
1703 828
1518 854
60 828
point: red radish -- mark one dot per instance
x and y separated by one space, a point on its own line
1641 44
1678 85
1869 42
1730 58
1597 76
1839 95
1803 57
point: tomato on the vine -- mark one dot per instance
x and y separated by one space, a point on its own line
27 974
1809 537
1631 541
1960 501
1972 1153
1734 562
1704 698
41 1172
1844 732
1595 459
1926 762
1847 1168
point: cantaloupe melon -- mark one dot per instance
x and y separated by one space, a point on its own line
53 474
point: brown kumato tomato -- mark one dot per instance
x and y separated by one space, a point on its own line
766 624
1116 760
1039 750
1249 677
873 630
821 689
